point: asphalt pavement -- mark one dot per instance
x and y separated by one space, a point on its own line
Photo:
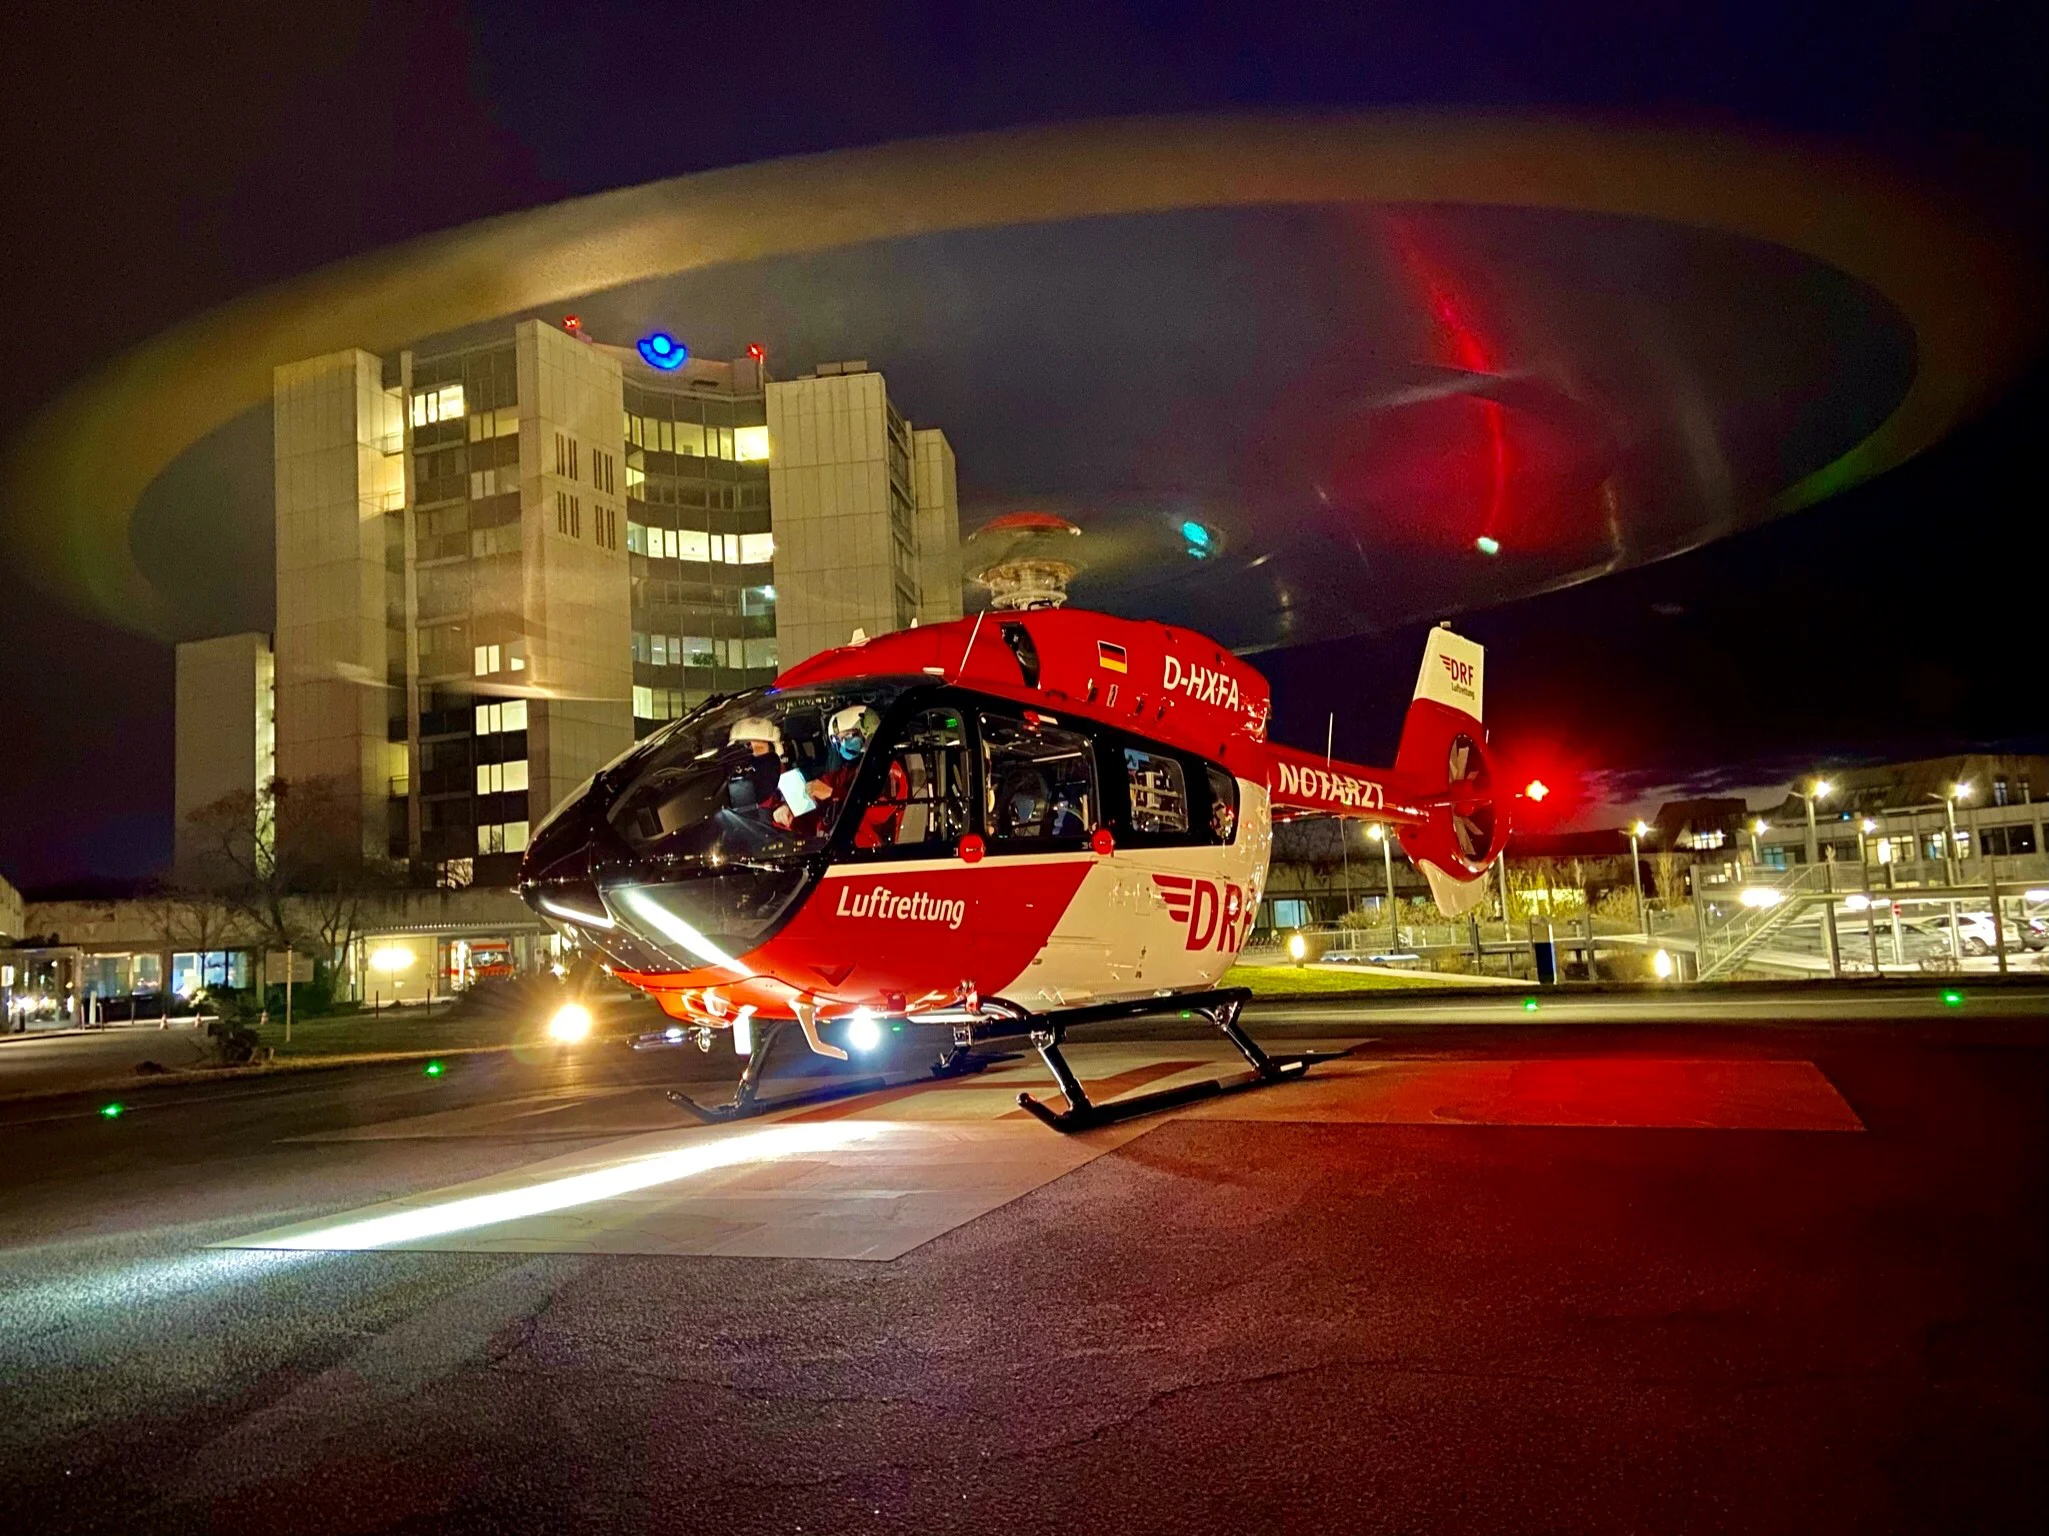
1575 1296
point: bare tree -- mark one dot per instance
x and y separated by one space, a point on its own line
289 860
1668 876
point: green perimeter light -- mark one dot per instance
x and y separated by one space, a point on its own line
1952 998
1529 1005
1487 545
435 1069
112 1111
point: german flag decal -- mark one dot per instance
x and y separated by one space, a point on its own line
1110 657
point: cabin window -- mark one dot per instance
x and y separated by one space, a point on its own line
1159 792
1039 782
922 801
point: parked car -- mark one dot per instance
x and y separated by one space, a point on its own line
1977 936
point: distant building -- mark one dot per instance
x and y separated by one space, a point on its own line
498 564
1700 826
1894 813
226 731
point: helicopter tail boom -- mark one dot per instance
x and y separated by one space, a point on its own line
1439 797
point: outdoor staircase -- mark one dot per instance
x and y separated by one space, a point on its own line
1726 947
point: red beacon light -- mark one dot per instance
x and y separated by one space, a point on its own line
754 350
573 324
1537 789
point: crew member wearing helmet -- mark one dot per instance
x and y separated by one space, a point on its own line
847 735
754 749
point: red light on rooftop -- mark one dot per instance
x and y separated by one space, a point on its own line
1537 789
755 351
572 324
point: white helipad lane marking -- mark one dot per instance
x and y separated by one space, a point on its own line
841 1189
866 1179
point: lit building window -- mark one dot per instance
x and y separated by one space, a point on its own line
494 718
490 658
443 404
501 778
503 422
657 703
502 837
750 443
493 482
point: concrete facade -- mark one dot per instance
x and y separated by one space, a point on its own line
339 472
938 499
12 917
867 517
226 728
578 592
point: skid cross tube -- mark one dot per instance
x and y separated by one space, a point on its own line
747 1098
746 1095
1220 1008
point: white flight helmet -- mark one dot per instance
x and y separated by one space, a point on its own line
855 717
757 728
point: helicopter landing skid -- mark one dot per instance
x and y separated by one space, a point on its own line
1047 1032
1220 1008
746 1100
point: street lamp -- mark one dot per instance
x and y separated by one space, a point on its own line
1394 921
1639 830
1864 830
1949 816
1820 789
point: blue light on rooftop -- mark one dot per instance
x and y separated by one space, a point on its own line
663 351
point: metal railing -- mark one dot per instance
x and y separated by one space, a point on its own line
1834 919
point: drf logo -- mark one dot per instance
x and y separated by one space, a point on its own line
1215 916
1461 672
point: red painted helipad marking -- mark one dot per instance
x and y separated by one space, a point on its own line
1622 1092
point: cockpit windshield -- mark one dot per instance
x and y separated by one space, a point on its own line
756 779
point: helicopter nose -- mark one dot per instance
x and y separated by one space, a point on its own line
557 863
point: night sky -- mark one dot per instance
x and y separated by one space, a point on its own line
157 169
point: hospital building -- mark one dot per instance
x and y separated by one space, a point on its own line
498 564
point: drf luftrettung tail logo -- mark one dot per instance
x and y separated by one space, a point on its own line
1212 915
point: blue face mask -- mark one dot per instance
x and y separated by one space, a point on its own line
849 746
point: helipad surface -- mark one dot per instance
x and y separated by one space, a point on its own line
875 1176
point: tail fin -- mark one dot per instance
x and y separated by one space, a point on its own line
1444 743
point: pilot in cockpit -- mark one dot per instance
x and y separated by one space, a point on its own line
754 766
848 734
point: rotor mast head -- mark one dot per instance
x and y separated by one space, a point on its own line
1023 560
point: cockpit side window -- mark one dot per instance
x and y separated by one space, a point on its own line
920 805
1038 783
760 777
1223 804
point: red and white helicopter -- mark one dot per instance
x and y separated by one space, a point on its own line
1007 825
